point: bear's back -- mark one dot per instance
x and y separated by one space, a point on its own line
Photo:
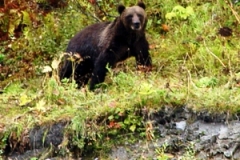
86 41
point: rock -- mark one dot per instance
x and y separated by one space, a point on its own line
53 136
181 125
176 129
119 153
229 153
237 153
223 133
202 155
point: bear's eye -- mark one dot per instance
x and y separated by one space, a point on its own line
140 16
129 16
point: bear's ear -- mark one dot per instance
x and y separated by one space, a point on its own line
121 8
141 4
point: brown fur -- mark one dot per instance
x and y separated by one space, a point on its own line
108 43
135 11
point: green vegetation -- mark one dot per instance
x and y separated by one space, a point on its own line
196 63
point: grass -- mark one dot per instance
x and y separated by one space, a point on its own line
194 66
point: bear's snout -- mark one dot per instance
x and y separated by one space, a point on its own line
136 25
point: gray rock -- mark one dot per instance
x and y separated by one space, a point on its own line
181 125
223 133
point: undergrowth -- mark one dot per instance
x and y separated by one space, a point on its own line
195 65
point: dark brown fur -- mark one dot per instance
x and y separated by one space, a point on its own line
107 43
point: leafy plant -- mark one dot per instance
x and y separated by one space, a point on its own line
190 152
207 82
2 56
79 135
161 155
180 12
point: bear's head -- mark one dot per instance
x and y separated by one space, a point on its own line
133 18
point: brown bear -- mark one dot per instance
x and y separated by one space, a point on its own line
106 43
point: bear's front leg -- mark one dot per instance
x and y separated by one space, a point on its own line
141 53
100 69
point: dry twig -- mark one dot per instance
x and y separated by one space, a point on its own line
210 52
233 11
